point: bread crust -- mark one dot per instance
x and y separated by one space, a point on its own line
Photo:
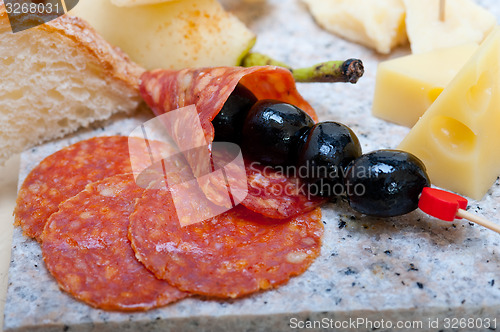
113 61
66 36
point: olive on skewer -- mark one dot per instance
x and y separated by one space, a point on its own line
228 123
273 130
385 183
382 183
327 154
328 148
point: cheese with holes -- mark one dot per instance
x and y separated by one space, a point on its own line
405 87
464 22
458 138
379 24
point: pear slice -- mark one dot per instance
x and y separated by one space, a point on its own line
171 35
464 22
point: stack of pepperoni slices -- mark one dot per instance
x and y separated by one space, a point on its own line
117 245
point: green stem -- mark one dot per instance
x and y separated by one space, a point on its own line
348 71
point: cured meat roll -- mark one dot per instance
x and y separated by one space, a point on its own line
208 89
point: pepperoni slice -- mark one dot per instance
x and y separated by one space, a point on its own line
276 194
85 247
208 89
66 172
233 254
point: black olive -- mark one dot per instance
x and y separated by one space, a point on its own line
272 132
328 149
385 183
229 122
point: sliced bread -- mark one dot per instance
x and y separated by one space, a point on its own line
56 78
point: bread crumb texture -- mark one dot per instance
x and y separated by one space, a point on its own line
56 78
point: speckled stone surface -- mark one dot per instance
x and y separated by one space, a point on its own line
410 268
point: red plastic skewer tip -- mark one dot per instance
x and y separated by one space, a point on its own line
441 204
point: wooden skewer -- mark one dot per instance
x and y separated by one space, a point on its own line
478 220
442 10
64 7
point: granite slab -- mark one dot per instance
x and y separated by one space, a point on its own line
406 273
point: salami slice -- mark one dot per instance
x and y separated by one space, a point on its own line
233 254
66 172
86 248
208 89
276 194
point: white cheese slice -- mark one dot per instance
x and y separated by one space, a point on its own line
379 24
464 22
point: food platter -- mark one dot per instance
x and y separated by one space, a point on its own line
412 268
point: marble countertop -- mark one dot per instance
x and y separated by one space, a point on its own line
408 269
8 192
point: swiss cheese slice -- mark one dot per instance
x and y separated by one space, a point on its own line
406 86
458 138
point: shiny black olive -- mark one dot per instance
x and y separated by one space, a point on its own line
328 149
272 132
229 122
385 183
